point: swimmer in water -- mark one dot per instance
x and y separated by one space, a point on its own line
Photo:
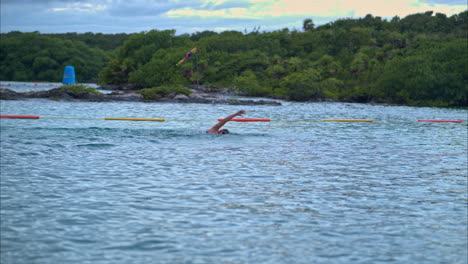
216 128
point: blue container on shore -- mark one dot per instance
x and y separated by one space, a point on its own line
69 75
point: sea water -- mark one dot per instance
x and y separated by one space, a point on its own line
294 190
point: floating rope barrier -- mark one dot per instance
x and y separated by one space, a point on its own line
135 119
219 119
248 119
348 120
440 121
20 116
85 118
303 120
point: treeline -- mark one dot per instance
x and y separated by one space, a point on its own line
419 60
42 57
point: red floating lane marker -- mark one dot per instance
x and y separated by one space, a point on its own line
248 119
440 121
20 116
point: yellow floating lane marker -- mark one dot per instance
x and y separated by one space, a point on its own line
348 120
83 118
135 119
189 120
296 120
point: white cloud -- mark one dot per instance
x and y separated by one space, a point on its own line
259 9
386 8
220 29
80 7
207 3
222 13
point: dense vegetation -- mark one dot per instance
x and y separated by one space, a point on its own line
420 59
36 57
79 88
156 93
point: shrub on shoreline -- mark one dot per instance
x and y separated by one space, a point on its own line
79 89
156 93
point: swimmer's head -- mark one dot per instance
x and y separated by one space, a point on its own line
223 131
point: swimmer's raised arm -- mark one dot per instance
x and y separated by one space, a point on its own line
215 128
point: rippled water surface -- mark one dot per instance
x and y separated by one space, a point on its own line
95 191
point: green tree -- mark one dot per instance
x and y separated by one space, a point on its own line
247 84
161 70
308 24
302 86
35 57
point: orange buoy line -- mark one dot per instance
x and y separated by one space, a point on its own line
219 119
105 118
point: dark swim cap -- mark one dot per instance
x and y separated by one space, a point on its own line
224 131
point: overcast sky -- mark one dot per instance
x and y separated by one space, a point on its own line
188 16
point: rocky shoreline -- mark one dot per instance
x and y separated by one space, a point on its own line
203 94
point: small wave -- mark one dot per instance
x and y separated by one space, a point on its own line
26 154
152 244
98 145
82 241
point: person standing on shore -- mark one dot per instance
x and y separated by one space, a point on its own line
216 129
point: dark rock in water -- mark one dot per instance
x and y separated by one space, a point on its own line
53 93
218 101
181 97
131 97
131 87
198 97
58 93
111 87
210 89
171 95
121 87
7 94
250 102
